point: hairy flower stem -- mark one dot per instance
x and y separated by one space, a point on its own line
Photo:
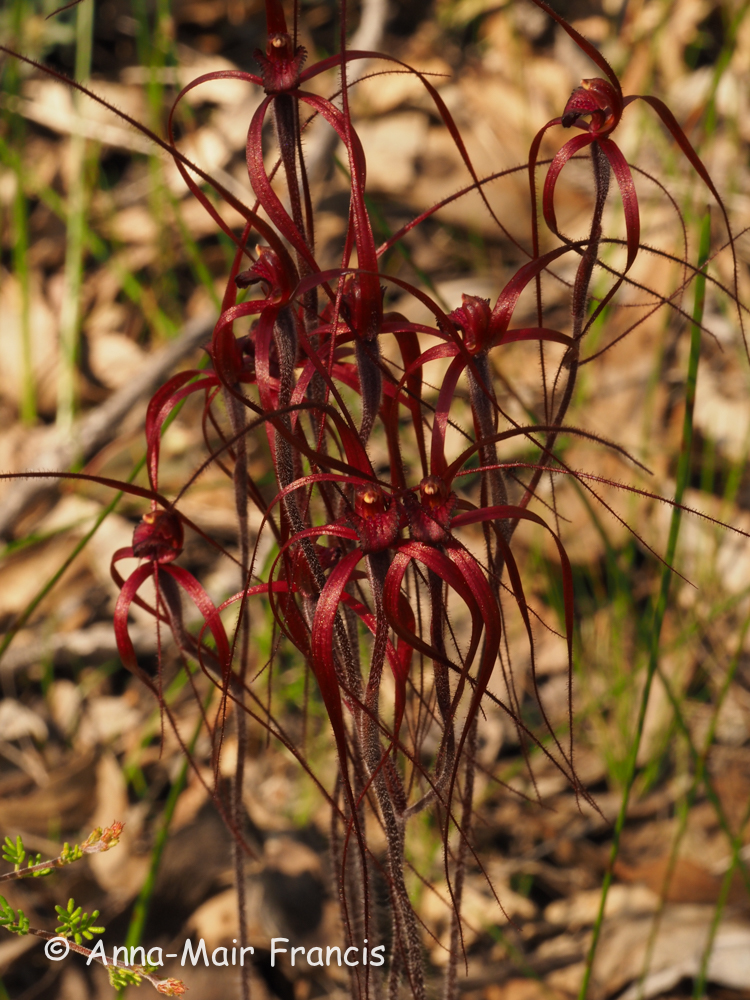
579 304
406 943
286 114
238 854
285 338
377 566
287 130
482 397
447 754
467 800
391 800
370 383
351 884
236 418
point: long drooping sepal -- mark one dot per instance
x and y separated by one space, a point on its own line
120 619
438 563
207 608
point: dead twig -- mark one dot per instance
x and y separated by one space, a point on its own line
99 427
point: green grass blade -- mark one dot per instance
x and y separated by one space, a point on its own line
699 988
683 473
143 902
70 313
42 593
53 580
20 225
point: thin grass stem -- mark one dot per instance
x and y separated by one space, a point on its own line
45 589
683 473
70 312
143 902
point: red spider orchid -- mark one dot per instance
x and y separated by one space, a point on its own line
282 77
273 338
432 520
372 524
603 103
158 540
317 629
469 333
236 362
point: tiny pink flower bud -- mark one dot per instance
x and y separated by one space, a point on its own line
100 840
171 987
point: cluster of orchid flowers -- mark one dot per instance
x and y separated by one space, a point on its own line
360 551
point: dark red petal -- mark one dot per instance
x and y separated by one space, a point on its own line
207 609
275 20
513 512
399 659
490 612
408 344
533 333
161 405
591 51
685 145
440 421
571 147
508 298
322 651
533 156
442 566
624 179
440 105
122 637
322 627
265 193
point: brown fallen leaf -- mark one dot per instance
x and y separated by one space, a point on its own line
690 883
522 989
677 953
65 801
